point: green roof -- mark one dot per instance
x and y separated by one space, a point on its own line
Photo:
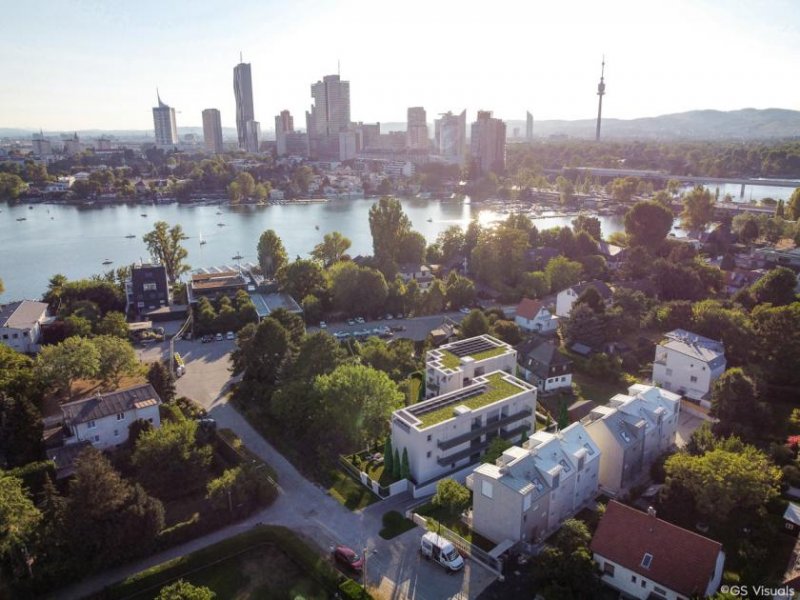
496 388
451 361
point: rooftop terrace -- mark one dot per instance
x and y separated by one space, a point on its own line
477 348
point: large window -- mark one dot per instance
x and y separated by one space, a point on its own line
608 569
149 287
487 489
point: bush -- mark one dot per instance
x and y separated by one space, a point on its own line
352 590
394 524
33 474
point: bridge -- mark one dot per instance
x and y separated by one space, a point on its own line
661 176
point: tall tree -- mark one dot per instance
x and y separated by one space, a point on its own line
74 358
113 323
412 248
734 401
590 225
793 206
333 248
160 377
562 273
698 208
451 496
388 224
301 278
116 358
451 241
776 287
164 245
262 352
19 518
460 291
647 224
778 336
271 253
474 324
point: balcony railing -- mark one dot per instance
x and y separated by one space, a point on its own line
475 433
477 449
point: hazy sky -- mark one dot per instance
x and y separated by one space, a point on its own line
79 64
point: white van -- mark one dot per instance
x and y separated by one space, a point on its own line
435 547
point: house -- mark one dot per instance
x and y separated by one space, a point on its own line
147 289
688 364
445 435
632 431
532 489
567 297
791 519
614 255
214 283
103 419
533 315
453 366
541 362
422 274
645 557
21 324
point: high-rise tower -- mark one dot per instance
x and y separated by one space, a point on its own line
528 126
601 91
417 129
488 143
164 124
329 116
212 130
247 128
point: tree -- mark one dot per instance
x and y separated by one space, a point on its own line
721 481
388 456
11 186
357 289
396 465
776 287
301 278
592 298
474 324
19 518
412 248
271 253
590 225
116 358
246 183
319 354
183 590
585 245
495 450
647 224
585 326
433 300
333 248
113 323
75 325
508 331
160 377
566 568
234 192
451 496
169 461
241 489
262 352
74 358
777 330
793 206
734 401
562 273
164 245
460 291
534 284
731 325
451 241
405 470
698 208
388 224
499 257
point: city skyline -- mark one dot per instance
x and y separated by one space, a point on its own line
91 72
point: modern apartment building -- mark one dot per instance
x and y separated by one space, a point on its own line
632 430
212 130
488 143
284 123
247 128
533 488
689 364
451 136
448 433
146 290
454 366
329 115
417 129
166 128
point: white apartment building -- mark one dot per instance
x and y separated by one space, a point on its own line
446 434
532 489
103 419
454 366
689 364
631 432
21 325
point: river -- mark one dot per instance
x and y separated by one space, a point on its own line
75 241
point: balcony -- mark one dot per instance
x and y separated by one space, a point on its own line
479 431
444 461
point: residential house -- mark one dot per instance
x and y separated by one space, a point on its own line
645 557
791 519
632 431
103 419
541 362
532 489
534 316
453 366
147 289
567 297
446 434
738 279
688 364
422 274
21 324
214 282
614 255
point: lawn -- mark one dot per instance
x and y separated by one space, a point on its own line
395 524
597 390
435 514
349 492
450 360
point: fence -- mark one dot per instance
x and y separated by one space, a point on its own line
382 491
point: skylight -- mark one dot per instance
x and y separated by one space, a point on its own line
646 560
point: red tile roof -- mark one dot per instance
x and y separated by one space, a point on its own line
683 561
528 308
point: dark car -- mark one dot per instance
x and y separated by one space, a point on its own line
349 558
207 338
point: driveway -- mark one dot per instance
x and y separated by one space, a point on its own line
687 423
395 569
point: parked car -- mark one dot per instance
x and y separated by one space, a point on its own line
323 325
218 337
230 336
349 558
351 322
389 316
436 548
360 320
207 338
464 310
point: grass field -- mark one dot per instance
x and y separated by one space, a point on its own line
349 492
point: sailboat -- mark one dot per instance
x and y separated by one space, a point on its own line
202 241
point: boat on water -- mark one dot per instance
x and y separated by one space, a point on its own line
30 208
430 220
220 224
130 236
22 218
238 257
107 262
144 214
219 212
202 241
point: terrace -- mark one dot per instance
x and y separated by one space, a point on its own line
477 349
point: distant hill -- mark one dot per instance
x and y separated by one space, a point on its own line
744 124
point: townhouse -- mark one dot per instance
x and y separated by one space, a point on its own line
688 364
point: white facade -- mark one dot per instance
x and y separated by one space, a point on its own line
566 298
21 325
532 489
444 434
542 322
688 364
453 366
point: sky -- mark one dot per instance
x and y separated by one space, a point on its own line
92 64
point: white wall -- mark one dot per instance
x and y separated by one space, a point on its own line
21 340
623 580
109 431
676 375
564 301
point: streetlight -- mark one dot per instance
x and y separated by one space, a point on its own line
366 552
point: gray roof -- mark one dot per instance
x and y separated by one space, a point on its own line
792 513
103 405
22 314
64 457
540 355
696 346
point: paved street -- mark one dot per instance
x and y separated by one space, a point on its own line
395 569
416 329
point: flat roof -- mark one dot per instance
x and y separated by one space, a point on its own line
476 348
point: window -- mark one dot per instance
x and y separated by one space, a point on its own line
644 583
121 416
693 379
429 437
659 590
646 560
91 424
149 287
150 420
428 455
526 502
608 569
487 489
669 371
96 438
116 433
633 578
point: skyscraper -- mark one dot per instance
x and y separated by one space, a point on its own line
284 123
529 126
488 143
417 129
165 126
451 136
247 128
601 91
212 130
329 115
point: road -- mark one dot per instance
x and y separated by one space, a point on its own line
395 569
416 329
